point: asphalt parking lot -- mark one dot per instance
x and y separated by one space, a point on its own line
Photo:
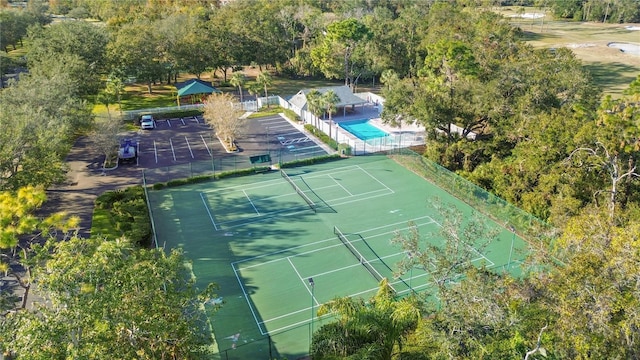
187 140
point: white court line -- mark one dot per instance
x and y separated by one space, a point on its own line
359 198
372 290
322 173
251 202
302 280
274 182
189 146
208 212
482 256
288 258
172 150
304 209
267 214
205 144
246 297
374 178
398 280
294 211
343 188
333 238
259 185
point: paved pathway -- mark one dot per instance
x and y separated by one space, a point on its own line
85 181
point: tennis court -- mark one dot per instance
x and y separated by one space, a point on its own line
281 244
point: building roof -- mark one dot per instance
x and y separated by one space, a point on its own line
195 86
344 93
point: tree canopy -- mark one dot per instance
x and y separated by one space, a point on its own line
524 123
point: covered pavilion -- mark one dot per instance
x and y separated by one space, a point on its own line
348 100
194 90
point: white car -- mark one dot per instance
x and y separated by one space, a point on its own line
147 122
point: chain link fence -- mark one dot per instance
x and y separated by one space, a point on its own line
487 203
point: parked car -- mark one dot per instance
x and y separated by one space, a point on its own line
147 122
128 150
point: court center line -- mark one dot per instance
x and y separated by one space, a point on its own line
343 188
302 280
189 146
205 145
374 178
251 202
208 212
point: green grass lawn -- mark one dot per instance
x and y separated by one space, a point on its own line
611 69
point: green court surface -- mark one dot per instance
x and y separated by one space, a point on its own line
262 241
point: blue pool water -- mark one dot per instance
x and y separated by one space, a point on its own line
363 130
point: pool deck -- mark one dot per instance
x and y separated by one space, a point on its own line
371 112
408 135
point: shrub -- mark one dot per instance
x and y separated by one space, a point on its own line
128 216
322 136
311 161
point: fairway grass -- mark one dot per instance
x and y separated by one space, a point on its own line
611 68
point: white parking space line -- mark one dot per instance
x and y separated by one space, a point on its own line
291 133
172 150
169 122
205 144
279 126
155 150
182 120
189 146
195 118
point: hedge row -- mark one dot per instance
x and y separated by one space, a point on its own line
322 136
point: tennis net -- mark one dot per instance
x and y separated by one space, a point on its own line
363 261
311 204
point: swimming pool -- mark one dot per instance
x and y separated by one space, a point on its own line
363 130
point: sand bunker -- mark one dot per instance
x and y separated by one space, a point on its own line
633 49
528 16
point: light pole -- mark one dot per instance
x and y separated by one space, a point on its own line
312 284
513 230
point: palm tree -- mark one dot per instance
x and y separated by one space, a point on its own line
265 80
238 79
329 101
253 88
376 328
314 103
